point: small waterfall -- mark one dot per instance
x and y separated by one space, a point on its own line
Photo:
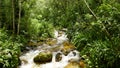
27 58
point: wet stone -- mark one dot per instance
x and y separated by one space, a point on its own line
51 41
74 53
65 52
72 65
55 52
67 48
58 57
43 57
39 43
23 61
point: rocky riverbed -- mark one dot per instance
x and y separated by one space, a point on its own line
56 52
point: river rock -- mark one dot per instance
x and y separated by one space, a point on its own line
78 64
23 61
67 47
72 65
51 41
58 57
31 43
39 43
43 57
82 64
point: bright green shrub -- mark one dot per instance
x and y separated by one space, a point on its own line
40 29
100 54
9 51
99 39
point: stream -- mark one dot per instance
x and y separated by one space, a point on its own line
62 52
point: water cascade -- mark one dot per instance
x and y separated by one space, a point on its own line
62 53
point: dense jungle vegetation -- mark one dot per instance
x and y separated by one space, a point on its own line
93 27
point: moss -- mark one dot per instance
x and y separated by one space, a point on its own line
51 41
43 57
67 47
73 65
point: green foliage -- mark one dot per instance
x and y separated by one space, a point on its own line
110 18
101 55
98 39
37 22
46 30
9 51
40 29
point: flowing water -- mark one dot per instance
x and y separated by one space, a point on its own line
27 58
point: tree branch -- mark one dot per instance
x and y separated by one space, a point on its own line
90 9
106 31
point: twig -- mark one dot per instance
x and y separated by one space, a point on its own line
90 9
106 31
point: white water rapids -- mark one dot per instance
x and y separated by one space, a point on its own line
27 58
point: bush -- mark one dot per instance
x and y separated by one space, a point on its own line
99 39
42 29
100 54
9 51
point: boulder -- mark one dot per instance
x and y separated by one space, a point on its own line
31 43
72 65
67 47
55 48
78 64
82 64
51 41
58 57
43 57
39 43
34 44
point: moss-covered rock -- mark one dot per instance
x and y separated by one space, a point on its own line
51 41
43 57
82 64
58 57
39 43
31 43
72 65
67 47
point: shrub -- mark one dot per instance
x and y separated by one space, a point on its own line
9 51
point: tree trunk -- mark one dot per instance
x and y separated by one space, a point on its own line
19 20
13 16
105 30
0 14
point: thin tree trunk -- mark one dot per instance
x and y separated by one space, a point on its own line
0 14
105 30
13 19
90 9
19 20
